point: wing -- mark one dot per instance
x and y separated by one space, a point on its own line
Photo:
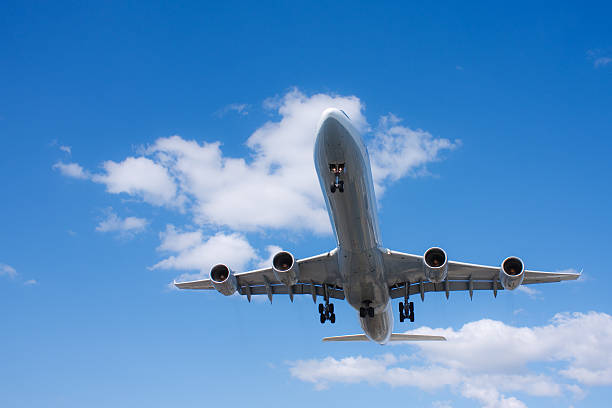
318 274
405 272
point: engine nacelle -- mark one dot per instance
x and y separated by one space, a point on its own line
435 264
511 273
223 279
285 268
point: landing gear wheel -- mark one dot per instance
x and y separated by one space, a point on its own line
332 318
341 186
332 188
362 312
401 312
331 308
321 308
411 311
371 311
322 318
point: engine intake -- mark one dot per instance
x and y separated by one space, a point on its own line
223 279
435 264
285 268
511 273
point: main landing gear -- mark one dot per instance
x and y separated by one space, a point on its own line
327 312
338 170
406 311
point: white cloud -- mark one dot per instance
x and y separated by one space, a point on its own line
600 58
7 270
140 177
487 360
529 291
193 251
66 149
73 170
30 282
602 61
276 186
397 151
125 226
239 108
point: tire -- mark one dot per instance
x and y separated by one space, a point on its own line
411 308
322 318
371 311
341 186
402 318
321 308
332 318
401 308
332 188
331 308
362 312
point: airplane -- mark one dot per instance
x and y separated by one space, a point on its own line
360 270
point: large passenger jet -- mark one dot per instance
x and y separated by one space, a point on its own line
360 269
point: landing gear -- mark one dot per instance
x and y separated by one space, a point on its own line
337 170
406 311
366 311
326 312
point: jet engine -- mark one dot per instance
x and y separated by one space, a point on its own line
223 279
285 268
511 273
435 264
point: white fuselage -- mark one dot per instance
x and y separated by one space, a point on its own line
354 219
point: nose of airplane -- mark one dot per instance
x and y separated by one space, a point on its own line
333 126
332 116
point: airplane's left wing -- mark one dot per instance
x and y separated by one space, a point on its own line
406 272
318 275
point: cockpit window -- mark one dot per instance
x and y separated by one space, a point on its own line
347 116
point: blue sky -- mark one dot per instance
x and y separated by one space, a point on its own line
143 141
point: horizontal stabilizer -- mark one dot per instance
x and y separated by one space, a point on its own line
394 337
415 337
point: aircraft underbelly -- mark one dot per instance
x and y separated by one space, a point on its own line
353 216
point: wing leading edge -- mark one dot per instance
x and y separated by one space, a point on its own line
405 276
319 276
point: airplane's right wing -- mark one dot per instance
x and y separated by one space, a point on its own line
406 272
318 275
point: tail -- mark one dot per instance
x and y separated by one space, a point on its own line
394 337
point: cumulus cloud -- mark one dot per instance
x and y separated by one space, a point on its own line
7 270
73 170
397 151
66 149
124 226
140 177
194 251
475 355
274 186
30 282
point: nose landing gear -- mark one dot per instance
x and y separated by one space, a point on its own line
337 170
